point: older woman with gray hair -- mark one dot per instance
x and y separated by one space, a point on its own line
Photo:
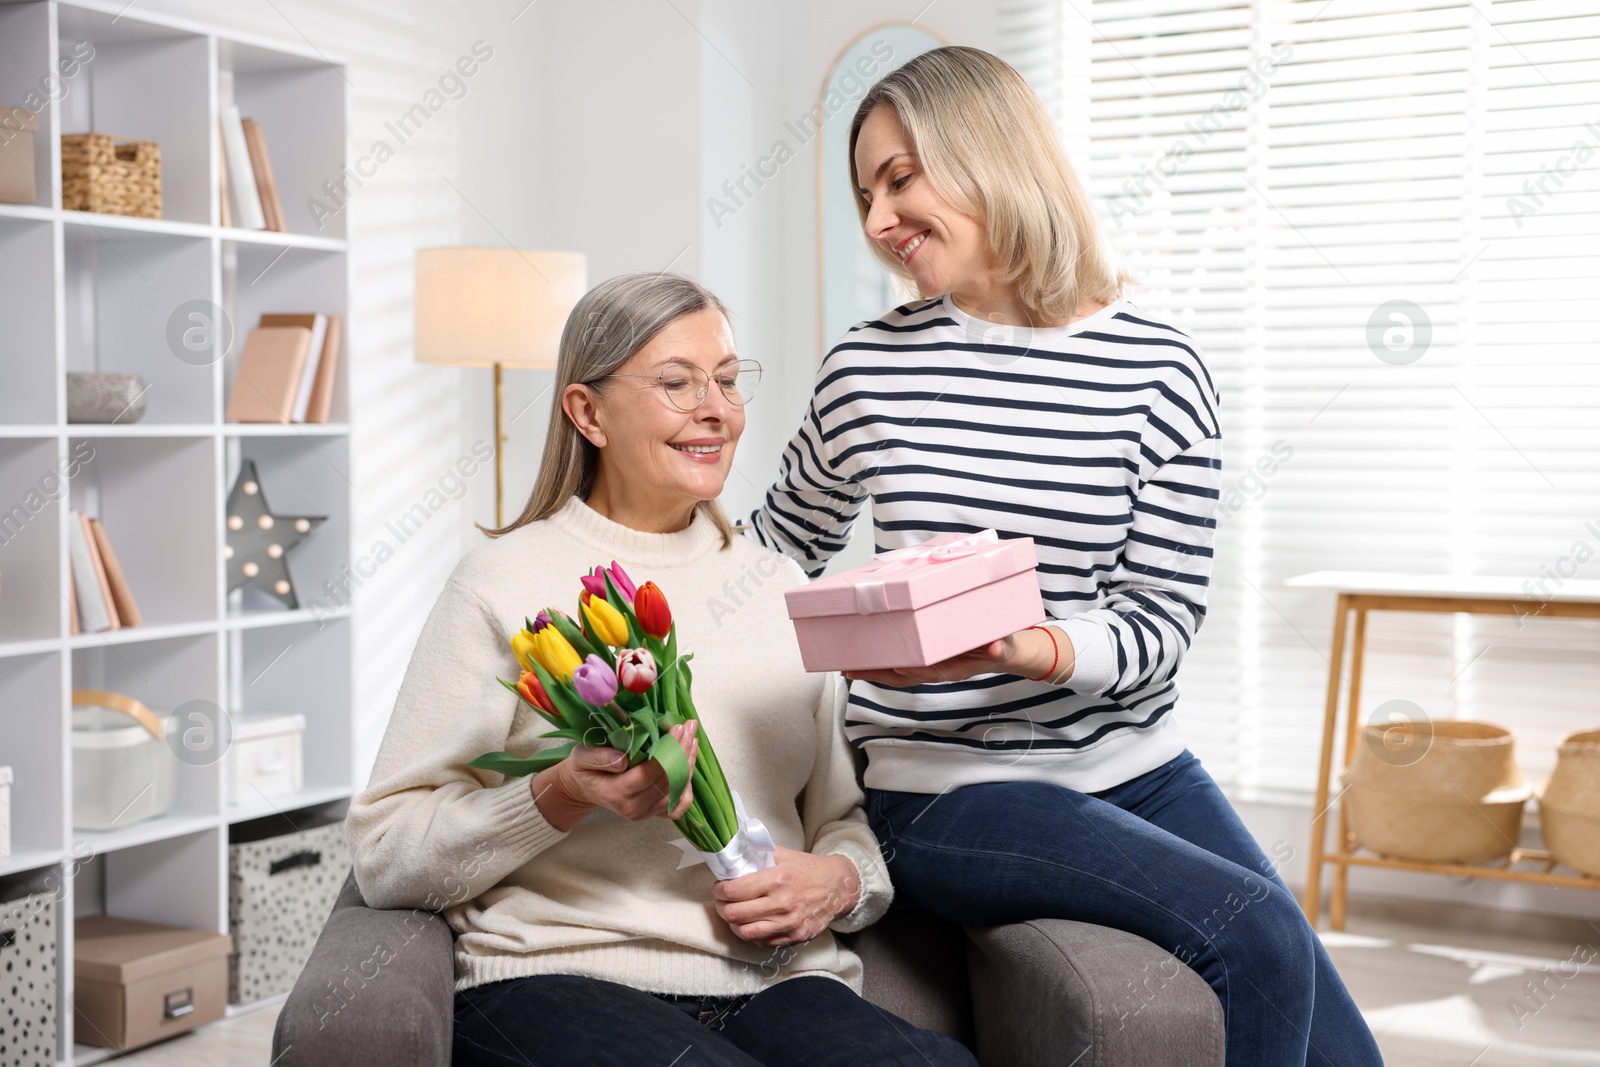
578 938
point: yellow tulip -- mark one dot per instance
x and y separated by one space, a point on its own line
606 622
555 654
522 646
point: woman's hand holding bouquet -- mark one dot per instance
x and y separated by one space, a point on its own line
619 696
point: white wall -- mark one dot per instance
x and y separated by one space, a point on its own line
603 127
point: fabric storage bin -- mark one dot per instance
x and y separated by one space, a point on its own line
5 814
28 964
140 982
1569 804
283 877
1458 800
122 770
267 758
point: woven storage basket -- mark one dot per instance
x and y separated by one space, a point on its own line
1454 795
1569 804
100 173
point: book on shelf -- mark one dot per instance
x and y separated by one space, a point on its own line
261 165
121 594
224 210
247 212
270 371
315 398
94 600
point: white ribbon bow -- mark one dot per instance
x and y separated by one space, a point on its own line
871 595
752 849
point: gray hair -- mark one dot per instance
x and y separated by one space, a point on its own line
609 324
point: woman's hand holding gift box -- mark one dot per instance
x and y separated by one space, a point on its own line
950 605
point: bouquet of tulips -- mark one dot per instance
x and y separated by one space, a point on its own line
614 677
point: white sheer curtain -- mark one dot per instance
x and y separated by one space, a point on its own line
1381 221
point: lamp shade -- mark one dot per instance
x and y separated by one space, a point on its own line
480 306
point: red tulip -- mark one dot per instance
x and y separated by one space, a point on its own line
650 606
530 689
636 670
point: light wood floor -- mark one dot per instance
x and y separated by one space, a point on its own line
1435 996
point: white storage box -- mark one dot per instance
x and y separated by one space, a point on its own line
267 758
122 770
5 811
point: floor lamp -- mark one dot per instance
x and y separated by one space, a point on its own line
495 307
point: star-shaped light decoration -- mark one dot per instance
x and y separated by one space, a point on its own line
258 541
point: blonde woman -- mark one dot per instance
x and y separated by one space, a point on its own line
1042 775
578 939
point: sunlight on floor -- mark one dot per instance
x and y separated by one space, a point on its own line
1454 998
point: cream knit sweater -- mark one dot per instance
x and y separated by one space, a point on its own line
606 899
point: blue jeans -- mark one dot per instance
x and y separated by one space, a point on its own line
1163 856
557 1020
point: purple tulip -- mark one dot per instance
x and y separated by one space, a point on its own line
595 681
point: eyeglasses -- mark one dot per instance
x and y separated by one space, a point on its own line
686 387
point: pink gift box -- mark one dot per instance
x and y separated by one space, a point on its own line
918 605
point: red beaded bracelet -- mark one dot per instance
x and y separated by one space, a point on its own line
1055 659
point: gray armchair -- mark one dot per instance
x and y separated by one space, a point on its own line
379 988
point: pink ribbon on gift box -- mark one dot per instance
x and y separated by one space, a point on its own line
872 596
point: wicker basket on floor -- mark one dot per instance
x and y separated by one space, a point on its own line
1569 804
1459 801
102 174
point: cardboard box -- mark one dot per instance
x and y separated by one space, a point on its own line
139 982
918 605
16 155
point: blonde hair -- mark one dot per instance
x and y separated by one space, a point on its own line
607 326
987 144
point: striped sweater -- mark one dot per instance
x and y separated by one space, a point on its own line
1100 441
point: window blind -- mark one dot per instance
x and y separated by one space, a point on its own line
1379 220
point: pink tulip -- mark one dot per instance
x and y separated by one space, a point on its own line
636 670
595 682
624 584
594 583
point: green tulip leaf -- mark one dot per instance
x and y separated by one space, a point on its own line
517 766
667 752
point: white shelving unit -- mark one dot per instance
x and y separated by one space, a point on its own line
99 292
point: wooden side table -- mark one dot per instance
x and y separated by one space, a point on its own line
1357 594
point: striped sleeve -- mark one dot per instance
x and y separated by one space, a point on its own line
812 506
1155 598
